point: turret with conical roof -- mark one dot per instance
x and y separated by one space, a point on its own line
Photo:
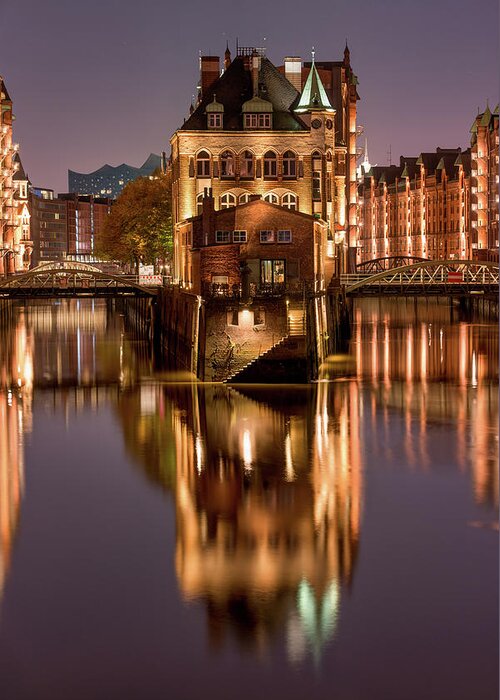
313 97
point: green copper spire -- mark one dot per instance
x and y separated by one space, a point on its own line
314 97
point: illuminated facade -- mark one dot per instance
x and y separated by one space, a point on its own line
420 208
7 169
23 244
484 185
281 250
286 134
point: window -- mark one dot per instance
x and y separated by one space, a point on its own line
267 236
257 121
270 164
259 316
232 317
316 185
227 164
203 164
246 164
244 198
215 121
272 272
227 200
222 236
271 198
199 203
290 201
289 165
284 236
239 236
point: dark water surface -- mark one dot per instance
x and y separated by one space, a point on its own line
161 539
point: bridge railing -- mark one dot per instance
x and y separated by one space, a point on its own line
427 275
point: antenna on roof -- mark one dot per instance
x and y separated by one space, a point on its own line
313 53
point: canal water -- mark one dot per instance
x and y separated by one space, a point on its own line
165 539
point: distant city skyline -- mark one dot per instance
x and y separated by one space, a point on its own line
106 82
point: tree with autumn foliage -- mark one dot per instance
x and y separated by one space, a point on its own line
139 226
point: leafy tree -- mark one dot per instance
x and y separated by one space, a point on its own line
139 226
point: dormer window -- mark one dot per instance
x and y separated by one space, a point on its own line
215 121
215 112
257 113
257 121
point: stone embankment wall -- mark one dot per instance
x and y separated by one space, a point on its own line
235 335
177 319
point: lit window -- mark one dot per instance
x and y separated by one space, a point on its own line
239 236
284 236
246 164
227 200
244 198
199 203
270 164
266 236
290 201
257 121
222 236
215 121
289 165
203 164
271 198
227 164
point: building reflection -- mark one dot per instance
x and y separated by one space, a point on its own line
16 387
418 358
268 494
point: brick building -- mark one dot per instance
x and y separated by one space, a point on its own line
85 220
441 205
417 208
49 229
484 185
7 169
285 133
281 251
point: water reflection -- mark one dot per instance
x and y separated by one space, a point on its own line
268 484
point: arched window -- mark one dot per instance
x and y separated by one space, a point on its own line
244 198
227 200
227 164
246 164
203 164
199 203
270 165
271 198
289 164
289 201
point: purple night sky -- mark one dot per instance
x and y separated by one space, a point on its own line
110 80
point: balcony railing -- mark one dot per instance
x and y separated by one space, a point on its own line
277 289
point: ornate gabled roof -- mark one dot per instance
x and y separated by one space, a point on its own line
486 116
4 94
313 97
19 174
234 88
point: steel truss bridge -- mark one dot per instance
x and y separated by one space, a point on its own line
381 264
429 277
71 279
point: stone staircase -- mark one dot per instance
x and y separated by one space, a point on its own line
296 320
283 362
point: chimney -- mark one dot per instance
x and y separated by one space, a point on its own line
255 73
293 71
209 72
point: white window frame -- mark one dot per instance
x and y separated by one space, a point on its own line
239 236
223 236
227 200
284 236
215 120
271 196
290 201
266 236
